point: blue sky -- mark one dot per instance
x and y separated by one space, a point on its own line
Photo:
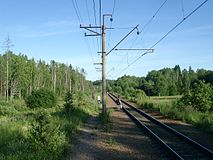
49 30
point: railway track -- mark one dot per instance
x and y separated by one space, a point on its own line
175 144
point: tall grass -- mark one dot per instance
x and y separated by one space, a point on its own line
106 120
169 107
17 123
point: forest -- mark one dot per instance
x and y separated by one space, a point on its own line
22 75
164 82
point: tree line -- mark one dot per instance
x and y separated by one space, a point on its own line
164 82
23 75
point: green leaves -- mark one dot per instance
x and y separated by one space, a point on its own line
46 138
41 98
202 96
69 104
199 97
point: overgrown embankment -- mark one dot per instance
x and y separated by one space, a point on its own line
195 106
41 132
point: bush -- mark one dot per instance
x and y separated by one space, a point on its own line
140 97
41 98
46 139
202 96
186 99
69 105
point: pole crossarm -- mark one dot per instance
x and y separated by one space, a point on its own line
98 34
89 28
150 50
136 27
97 63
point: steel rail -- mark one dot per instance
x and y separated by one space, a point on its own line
173 131
149 132
170 129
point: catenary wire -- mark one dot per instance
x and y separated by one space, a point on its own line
88 11
171 30
94 12
113 10
75 6
149 22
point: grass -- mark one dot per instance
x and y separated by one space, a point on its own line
16 123
111 141
106 120
168 106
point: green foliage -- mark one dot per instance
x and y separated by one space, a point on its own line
164 82
69 104
177 110
186 98
41 133
140 97
105 117
202 98
106 120
41 99
45 138
27 74
111 141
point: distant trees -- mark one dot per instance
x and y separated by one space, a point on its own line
26 75
164 82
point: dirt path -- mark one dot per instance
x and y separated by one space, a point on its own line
124 141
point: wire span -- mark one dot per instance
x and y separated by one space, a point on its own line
170 31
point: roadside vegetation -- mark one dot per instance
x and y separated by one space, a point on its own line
184 95
42 107
106 120
42 132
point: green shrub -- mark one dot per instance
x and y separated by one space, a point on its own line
69 104
140 97
202 96
106 120
105 117
41 98
186 99
45 138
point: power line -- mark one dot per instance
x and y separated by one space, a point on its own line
113 10
171 30
182 8
122 40
94 12
76 11
179 23
100 13
151 19
88 11
149 22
